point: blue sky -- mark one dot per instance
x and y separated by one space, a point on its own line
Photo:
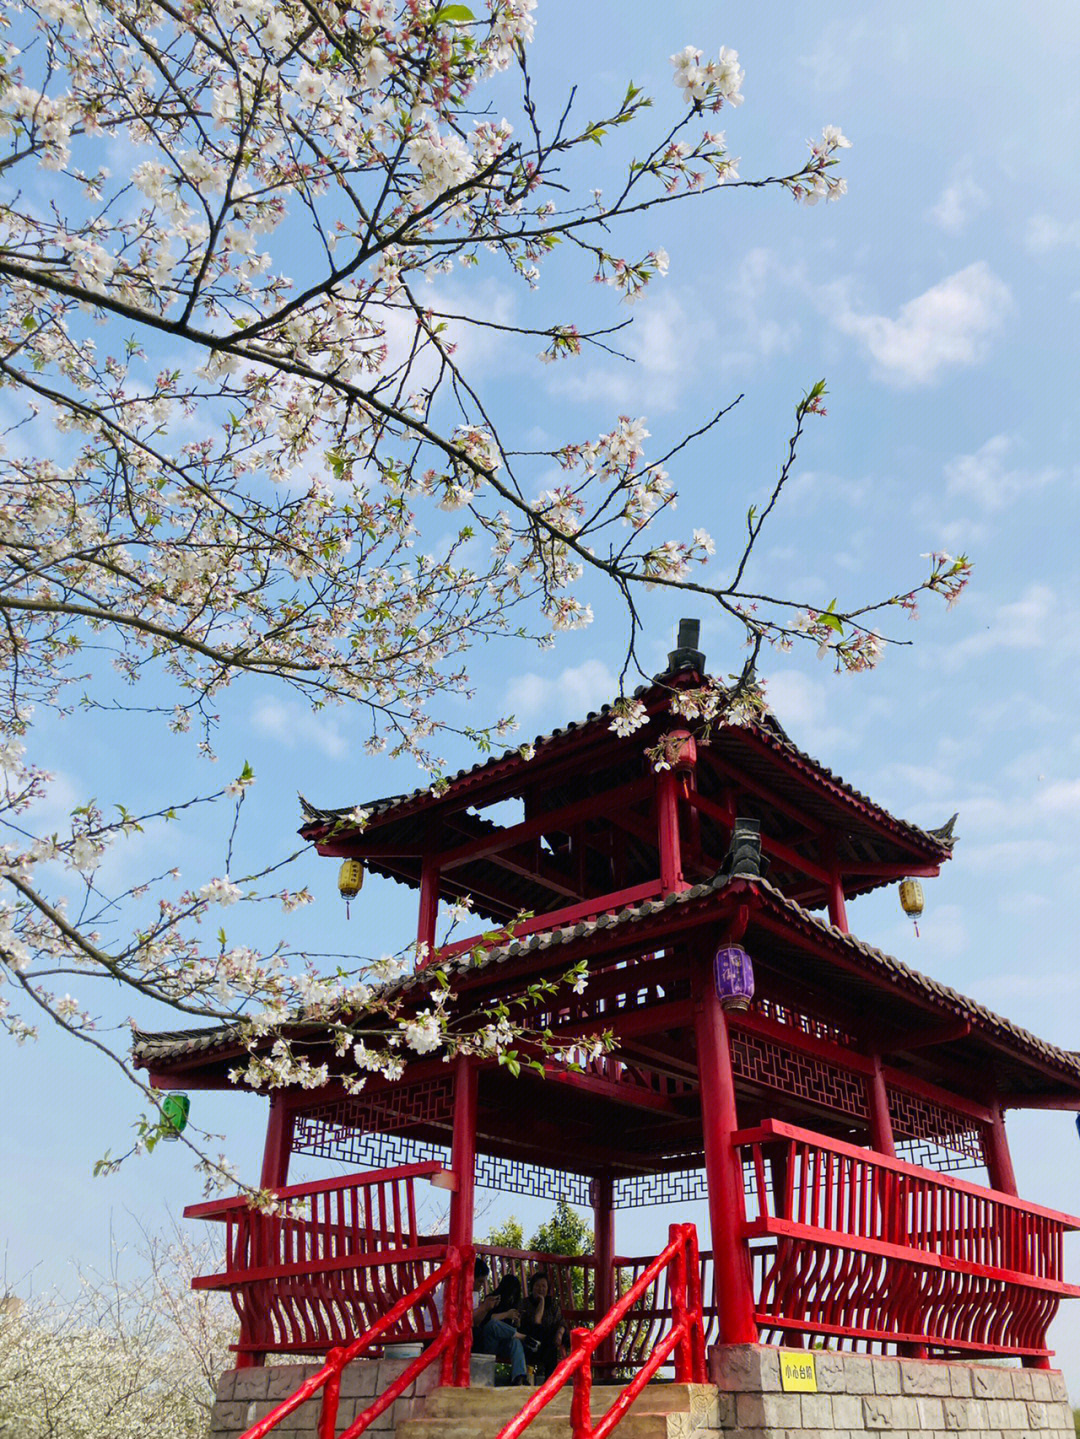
940 299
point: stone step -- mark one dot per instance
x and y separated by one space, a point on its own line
654 1399
478 1424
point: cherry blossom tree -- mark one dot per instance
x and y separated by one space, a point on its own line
235 403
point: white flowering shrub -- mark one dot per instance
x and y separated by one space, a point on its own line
122 1360
238 407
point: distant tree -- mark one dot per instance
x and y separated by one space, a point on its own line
564 1233
508 1235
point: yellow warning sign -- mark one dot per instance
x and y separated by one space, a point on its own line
797 1372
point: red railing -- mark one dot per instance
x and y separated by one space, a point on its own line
684 1340
453 1342
868 1250
340 1253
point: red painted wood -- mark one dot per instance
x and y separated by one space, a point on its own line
877 1101
727 1211
837 908
595 807
554 919
463 1152
776 849
219 1208
604 1249
667 829
278 1146
428 915
868 1247
998 1159
328 1379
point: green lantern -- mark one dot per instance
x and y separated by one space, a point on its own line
174 1115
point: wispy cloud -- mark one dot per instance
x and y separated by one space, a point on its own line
1046 232
667 337
950 324
961 198
1022 624
291 724
572 692
986 478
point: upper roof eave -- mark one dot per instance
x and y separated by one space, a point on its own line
936 846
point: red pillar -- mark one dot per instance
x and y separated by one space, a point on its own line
278 1146
429 909
999 1164
727 1206
667 819
877 1099
463 1152
603 1191
837 908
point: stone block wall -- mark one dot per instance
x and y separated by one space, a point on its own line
861 1396
244 1396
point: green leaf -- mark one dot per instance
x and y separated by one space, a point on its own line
452 15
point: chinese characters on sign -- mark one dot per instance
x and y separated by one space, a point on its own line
797 1372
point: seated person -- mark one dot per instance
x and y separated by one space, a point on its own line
542 1321
495 1321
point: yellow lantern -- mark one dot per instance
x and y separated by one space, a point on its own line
911 897
350 879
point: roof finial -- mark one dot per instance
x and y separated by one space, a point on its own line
686 655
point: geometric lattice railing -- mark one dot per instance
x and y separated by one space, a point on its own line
868 1251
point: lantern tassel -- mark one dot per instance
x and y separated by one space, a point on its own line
915 922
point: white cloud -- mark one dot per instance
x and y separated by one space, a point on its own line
664 344
1023 624
984 477
959 201
291 724
1046 233
949 324
573 691
804 707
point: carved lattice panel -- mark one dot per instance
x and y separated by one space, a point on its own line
362 1151
676 1186
761 1060
934 1135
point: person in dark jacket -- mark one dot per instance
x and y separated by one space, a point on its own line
542 1322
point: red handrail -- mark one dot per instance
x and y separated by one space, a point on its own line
453 1342
685 1338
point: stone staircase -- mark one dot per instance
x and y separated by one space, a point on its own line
661 1411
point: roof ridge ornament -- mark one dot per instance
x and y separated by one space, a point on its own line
686 655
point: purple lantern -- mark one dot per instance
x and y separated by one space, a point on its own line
734 974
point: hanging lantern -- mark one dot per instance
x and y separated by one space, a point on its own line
350 880
174 1115
734 976
911 897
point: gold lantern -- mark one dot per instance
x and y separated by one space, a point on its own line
911 897
350 881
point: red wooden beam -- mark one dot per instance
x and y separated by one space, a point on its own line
927 1038
747 782
556 918
634 1096
896 870
787 856
595 807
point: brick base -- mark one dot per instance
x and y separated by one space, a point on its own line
245 1396
866 1395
